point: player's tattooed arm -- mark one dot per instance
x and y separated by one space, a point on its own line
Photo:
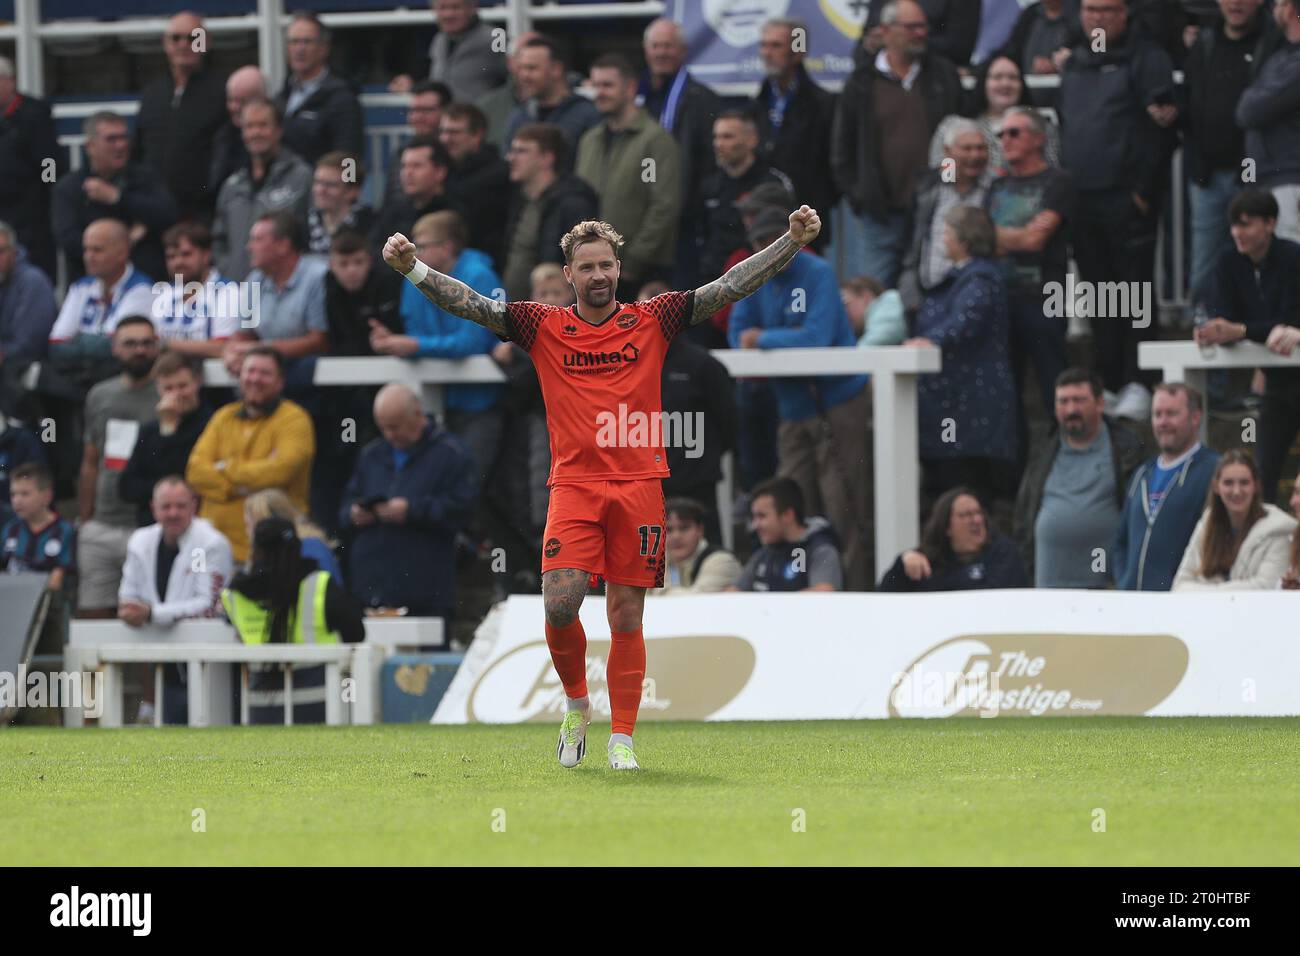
459 299
448 293
745 278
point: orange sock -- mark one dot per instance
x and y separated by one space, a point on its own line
624 674
568 646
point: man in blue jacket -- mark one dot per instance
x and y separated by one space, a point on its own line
474 413
1166 495
27 307
412 490
822 439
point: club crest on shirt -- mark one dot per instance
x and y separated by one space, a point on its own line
626 320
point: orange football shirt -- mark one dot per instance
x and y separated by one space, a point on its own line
601 383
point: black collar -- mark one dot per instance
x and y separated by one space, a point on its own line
595 325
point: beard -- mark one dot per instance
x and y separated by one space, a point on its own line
601 296
138 368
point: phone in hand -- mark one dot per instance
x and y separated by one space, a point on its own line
369 503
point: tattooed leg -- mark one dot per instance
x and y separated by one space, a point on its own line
562 592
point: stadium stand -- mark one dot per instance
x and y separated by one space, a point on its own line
1187 191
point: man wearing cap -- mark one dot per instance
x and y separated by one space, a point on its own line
822 440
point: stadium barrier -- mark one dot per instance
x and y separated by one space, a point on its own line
208 648
1189 363
893 371
947 654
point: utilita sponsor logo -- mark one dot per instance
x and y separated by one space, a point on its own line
687 678
1040 675
628 353
103 909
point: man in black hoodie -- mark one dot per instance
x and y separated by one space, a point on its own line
357 294
546 205
1117 106
479 178
425 167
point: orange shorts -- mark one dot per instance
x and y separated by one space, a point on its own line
611 528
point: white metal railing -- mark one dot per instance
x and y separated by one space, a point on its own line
1190 363
893 371
209 648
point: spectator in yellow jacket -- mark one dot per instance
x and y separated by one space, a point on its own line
261 441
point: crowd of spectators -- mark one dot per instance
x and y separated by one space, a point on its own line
229 222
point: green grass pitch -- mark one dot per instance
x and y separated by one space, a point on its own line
978 792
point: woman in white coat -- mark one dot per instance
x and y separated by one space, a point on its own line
1240 543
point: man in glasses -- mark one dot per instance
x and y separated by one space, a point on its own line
110 186
1031 206
180 113
321 110
424 115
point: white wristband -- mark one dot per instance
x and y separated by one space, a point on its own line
417 273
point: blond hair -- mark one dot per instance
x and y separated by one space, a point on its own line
443 225
544 271
592 230
274 503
